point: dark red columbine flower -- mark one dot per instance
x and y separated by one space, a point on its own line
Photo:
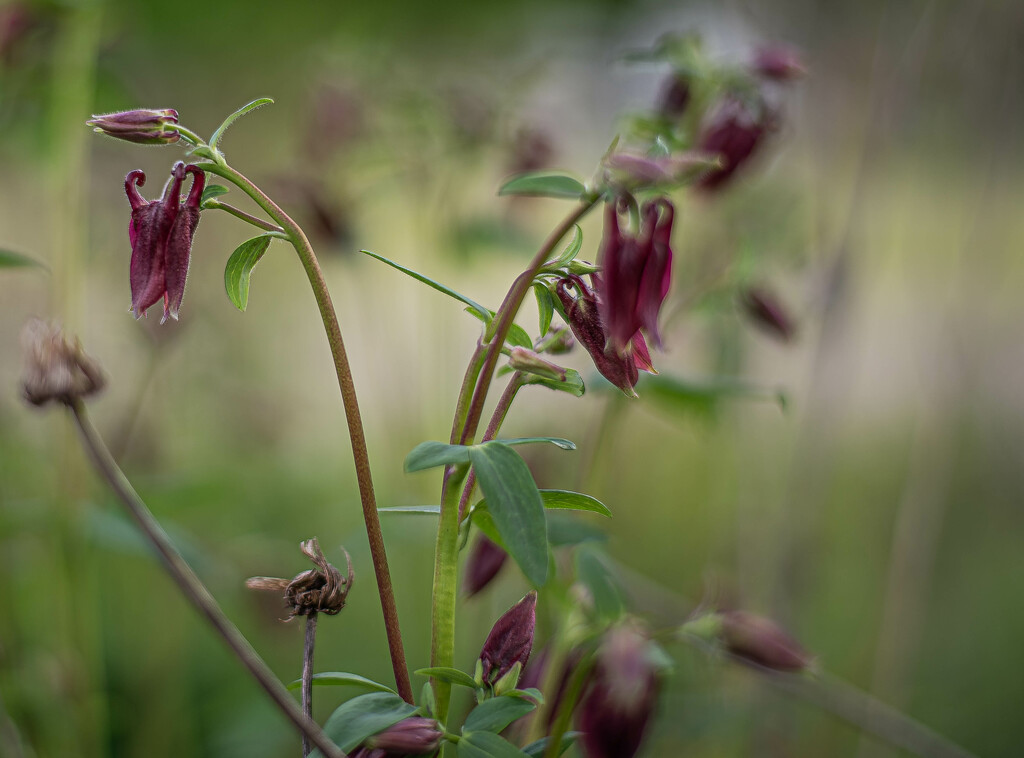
585 321
734 132
635 273
161 234
510 640
615 711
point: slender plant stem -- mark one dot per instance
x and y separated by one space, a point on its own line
307 677
502 322
240 214
497 418
565 708
355 424
192 586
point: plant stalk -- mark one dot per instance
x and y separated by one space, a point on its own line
307 677
192 586
355 424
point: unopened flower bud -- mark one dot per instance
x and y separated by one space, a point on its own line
56 367
523 359
674 97
767 313
559 341
734 131
779 63
411 736
510 640
614 713
760 640
485 561
141 126
631 171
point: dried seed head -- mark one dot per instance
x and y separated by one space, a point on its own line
510 640
56 367
319 590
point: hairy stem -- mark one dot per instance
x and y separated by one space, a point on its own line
307 677
192 587
355 423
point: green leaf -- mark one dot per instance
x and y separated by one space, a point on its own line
517 336
545 306
515 506
596 576
247 108
427 701
531 693
556 441
486 745
362 716
495 714
342 679
543 184
239 268
565 529
423 510
11 259
212 191
475 308
538 748
704 397
450 675
573 248
574 501
573 383
432 453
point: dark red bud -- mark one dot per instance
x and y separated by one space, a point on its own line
779 63
765 310
412 736
483 565
616 710
734 132
142 126
760 640
510 640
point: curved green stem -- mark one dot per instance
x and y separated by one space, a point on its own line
355 424
217 205
192 587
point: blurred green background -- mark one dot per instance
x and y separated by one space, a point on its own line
878 517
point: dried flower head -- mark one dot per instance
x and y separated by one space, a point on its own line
56 367
319 590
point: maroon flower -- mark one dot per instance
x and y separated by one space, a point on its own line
483 565
510 640
760 640
674 97
615 711
415 735
636 273
585 321
142 126
161 234
734 132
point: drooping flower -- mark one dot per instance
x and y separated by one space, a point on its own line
616 709
585 321
510 640
161 234
415 735
636 273
734 131
141 126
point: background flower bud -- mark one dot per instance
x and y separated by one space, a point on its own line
483 565
522 359
779 63
141 126
760 640
510 640
412 736
765 310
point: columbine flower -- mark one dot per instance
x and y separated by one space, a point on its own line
734 132
614 713
510 641
415 735
142 126
585 321
636 274
161 234
760 640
